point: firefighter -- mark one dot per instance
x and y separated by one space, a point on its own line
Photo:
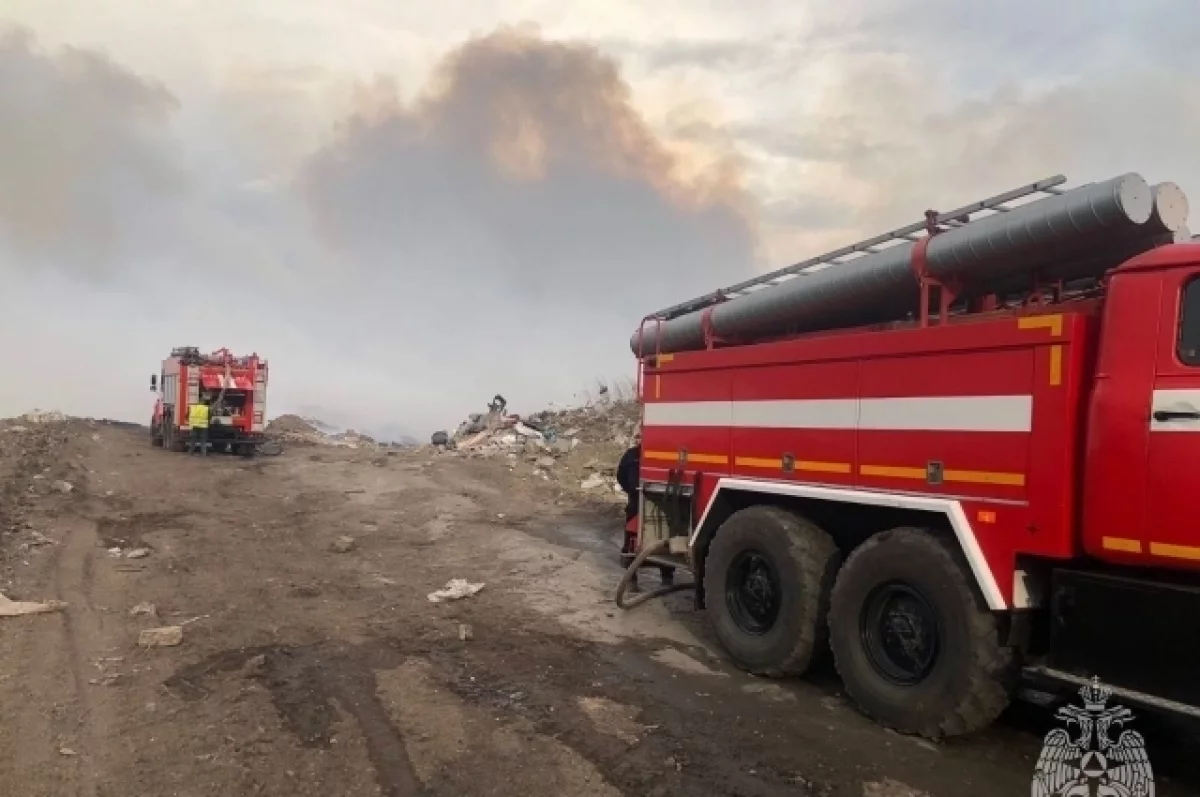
198 419
628 477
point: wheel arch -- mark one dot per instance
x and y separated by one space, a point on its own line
871 513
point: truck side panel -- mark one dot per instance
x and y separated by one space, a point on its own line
686 422
798 411
969 412
995 427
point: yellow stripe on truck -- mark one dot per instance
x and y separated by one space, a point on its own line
948 475
673 456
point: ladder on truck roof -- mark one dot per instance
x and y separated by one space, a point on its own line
958 217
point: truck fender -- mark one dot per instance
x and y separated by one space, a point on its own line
949 508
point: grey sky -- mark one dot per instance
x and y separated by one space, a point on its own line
407 215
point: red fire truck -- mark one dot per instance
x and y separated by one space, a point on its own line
958 456
235 386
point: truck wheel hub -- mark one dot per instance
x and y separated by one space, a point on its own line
752 592
900 633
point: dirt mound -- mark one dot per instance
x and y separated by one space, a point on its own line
300 431
290 424
39 468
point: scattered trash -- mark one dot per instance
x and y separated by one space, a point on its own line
115 552
144 610
67 751
593 482
527 431
565 445
465 634
608 418
63 487
455 589
11 608
137 553
168 636
343 544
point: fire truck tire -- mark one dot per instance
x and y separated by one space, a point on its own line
767 575
952 676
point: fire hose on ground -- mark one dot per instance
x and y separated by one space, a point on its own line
641 559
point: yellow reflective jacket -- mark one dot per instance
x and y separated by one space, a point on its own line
198 416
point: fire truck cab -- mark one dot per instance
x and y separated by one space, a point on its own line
991 493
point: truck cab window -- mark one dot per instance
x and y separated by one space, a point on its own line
1189 324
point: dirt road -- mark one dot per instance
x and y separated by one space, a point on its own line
309 670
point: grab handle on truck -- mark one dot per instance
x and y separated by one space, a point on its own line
1162 416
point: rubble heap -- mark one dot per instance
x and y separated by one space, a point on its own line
579 446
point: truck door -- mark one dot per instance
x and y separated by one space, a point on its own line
1172 530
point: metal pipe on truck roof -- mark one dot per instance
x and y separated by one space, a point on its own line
1170 208
882 287
1167 224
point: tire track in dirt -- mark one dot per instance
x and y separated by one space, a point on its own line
75 581
306 683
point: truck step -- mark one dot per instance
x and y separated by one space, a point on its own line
1129 696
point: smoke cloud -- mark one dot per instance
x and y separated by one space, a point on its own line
525 168
84 160
501 232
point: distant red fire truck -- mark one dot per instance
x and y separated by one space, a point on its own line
236 386
960 456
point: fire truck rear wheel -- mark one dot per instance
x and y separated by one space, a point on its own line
767 576
915 645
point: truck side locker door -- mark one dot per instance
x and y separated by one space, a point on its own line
1172 529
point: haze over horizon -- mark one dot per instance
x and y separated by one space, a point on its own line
407 212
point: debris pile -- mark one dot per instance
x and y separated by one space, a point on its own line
43 416
579 446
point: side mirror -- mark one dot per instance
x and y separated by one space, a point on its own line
153 382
